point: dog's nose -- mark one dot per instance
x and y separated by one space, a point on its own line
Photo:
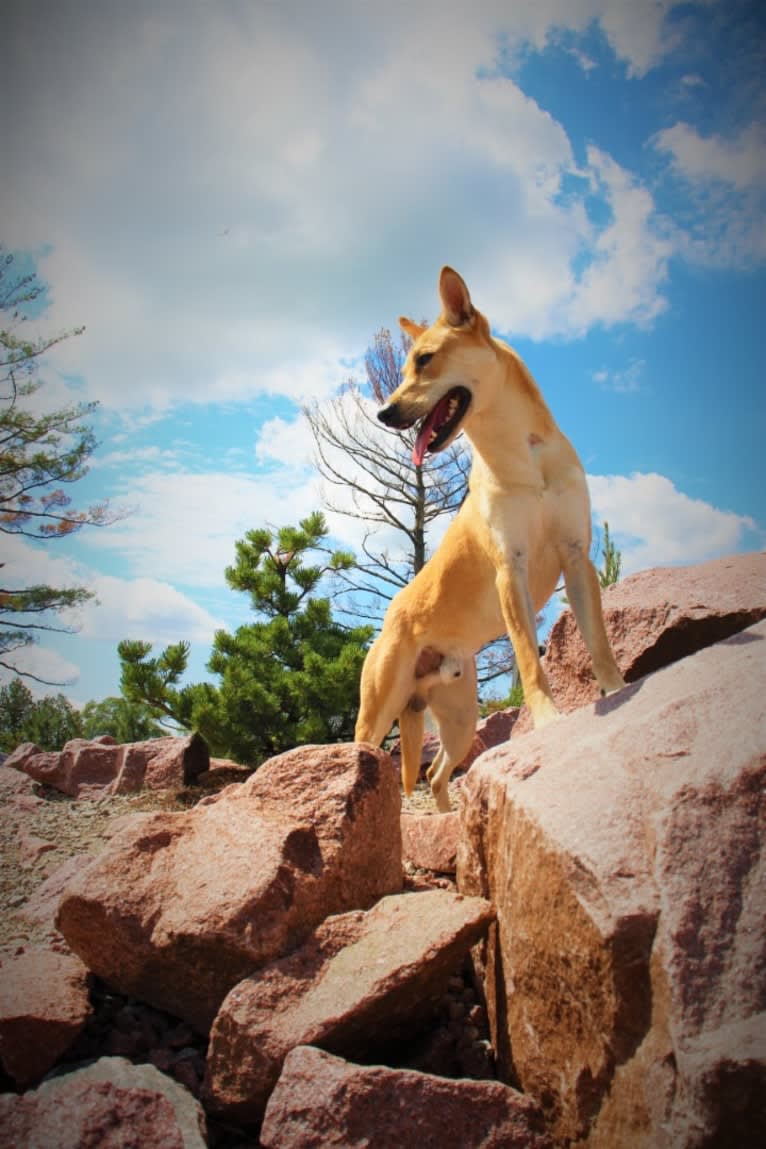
390 415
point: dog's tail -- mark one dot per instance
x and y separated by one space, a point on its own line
411 723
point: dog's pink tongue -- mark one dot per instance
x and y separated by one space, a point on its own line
424 435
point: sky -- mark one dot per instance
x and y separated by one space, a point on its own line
233 198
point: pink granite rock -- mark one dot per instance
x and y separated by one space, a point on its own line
92 768
321 1101
361 982
43 1006
657 617
179 907
429 841
624 849
108 1105
496 728
13 784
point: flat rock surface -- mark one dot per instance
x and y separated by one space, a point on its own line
322 1101
360 982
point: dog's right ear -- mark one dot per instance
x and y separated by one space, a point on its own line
456 301
414 330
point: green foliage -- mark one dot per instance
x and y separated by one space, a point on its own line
609 572
288 679
50 721
125 721
515 697
39 455
153 682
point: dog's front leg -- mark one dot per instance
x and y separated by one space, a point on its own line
584 594
519 615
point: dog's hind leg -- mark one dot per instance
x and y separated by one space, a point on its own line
383 690
456 710
584 594
411 723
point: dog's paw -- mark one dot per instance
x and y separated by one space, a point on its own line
613 687
544 713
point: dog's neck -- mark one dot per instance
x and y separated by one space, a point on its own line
507 439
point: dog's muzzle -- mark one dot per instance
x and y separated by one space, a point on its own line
391 416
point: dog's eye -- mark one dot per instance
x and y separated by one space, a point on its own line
423 360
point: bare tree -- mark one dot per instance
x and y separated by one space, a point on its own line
369 475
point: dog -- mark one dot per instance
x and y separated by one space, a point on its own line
525 521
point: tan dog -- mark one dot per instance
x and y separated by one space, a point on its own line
525 521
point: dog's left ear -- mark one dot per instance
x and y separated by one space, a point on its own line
456 301
414 330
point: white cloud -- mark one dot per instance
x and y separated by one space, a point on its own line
724 181
185 524
655 524
624 381
285 441
740 161
146 609
42 663
235 200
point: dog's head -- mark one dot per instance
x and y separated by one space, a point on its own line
439 388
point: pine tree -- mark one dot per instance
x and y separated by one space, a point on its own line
288 679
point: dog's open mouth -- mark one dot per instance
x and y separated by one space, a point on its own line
439 425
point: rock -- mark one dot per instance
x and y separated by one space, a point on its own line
429 841
496 727
43 1007
92 768
657 617
179 907
624 850
322 1101
13 783
42 905
359 984
110 1104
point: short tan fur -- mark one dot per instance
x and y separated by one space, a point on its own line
525 522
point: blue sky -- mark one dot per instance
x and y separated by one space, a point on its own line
233 198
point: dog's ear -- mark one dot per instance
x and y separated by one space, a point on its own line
456 301
414 330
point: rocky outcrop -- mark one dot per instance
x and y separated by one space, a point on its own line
429 841
110 1104
43 1007
321 1100
622 848
180 907
361 983
92 768
655 618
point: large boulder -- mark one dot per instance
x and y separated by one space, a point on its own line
361 982
321 1100
91 768
110 1104
624 849
43 1007
179 907
655 618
